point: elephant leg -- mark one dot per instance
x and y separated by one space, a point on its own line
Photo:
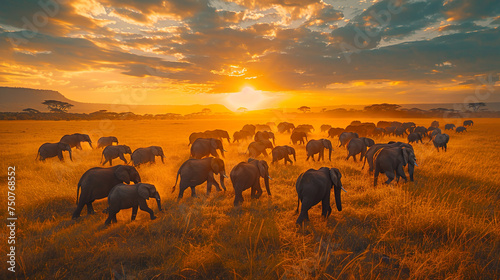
348 155
411 168
182 188
90 208
375 176
144 207
321 156
390 176
238 197
354 157
105 160
78 146
193 191
78 209
401 172
326 209
308 156
304 215
123 158
288 159
217 186
134 212
60 156
110 162
111 218
256 190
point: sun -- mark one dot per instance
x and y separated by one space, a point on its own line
248 98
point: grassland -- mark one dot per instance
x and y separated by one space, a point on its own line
444 225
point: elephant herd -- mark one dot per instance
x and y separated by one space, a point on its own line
122 184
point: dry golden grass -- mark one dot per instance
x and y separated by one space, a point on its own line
442 226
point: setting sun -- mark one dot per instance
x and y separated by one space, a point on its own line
248 98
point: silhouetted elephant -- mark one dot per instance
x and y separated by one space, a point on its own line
241 135
468 123
335 131
441 141
435 124
262 127
111 152
106 141
74 140
282 152
285 127
432 133
421 130
314 186
383 124
414 137
460 129
98 181
325 127
257 148
147 155
124 196
304 127
400 131
247 175
358 146
318 147
194 172
344 137
264 135
217 134
49 150
449 126
391 162
196 135
250 128
298 136
204 147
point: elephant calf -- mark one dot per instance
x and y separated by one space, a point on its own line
282 152
259 147
75 139
441 141
111 152
103 142
247 175
391 162
194 172
414 137
124 196
49 150
460 129
204 147
314 186
145 155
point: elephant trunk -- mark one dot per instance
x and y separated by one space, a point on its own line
222 152
90 144
337 190
158 201
330 154
70 156
266 181
294 158
162 157
222 176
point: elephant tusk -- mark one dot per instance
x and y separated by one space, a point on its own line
269 177
225 176
224 150
343 189
416 164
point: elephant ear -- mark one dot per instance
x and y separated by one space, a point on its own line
144 191
290 150
327 143
263 168
335 176
405 153
213 143
215 165
122 174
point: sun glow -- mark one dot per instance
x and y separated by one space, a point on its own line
248 98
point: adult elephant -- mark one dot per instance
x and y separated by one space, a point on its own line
358 146
441 141
433 133
241 135
383 124
194 172
111 152
196 135
318 147
414 138
283 152
147 155
335 131
400 131
370 154
259 147
421 130
468 123
460 129
435 124
262 127
325 127
48 150
449 126
392 161
264 135
314 186
98 181
74 140
390 130
378 131
305 127
103 142
409 126
285 127
250 128
298 136
217 134
344 137
204 147
124 196
247 175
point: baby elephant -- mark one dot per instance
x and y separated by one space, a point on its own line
111 152
103 142
124 196
247 175
49 150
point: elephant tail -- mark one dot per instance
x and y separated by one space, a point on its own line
176 179
298 205
37 154
102 155
364 162
77 193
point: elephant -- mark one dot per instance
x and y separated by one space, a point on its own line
390 130
314 186
460 129
414 137
378 131
344 137
335 131
264 135
285 127
103 142
468 123
435 124
400 131
217 134
196 135
305 127
441 141
391 162
383 124
325 127
282 152
98 181
370 154
194 172
241 135
262 127
355 122
204 147
433 133
409 126
318 147
421 130
148 154
358 146
247 175
250 128
49 150
74 140
259 147
124 196
111 152
298 136
449 126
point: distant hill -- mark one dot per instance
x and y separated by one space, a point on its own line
17 99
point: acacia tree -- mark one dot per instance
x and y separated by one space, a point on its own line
304 109
206 111
476 106
384 107
31 111
242 110
56 106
